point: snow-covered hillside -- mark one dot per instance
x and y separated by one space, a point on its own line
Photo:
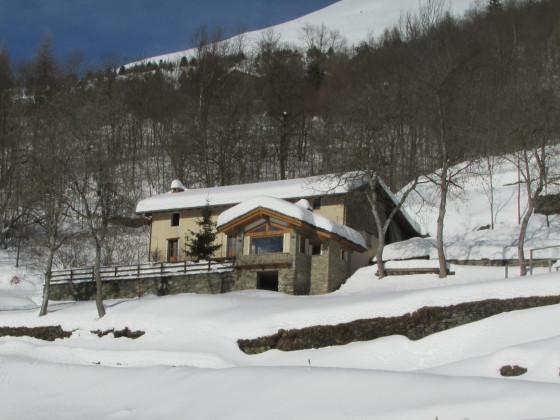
355 20
467 233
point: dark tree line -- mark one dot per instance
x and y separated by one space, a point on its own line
431 92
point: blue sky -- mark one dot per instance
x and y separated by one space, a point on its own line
133 29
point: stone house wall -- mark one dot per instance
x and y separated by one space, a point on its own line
248 267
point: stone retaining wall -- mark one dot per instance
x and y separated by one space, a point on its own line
416 325
206 283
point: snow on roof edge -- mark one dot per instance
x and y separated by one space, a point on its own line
294 211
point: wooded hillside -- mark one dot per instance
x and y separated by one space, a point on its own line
431 92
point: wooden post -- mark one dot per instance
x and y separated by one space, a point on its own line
138 275
70 274
531 262
209 260
185 267
507 271
116 270
161 269
549 266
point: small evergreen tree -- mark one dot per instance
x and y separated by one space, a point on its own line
202 246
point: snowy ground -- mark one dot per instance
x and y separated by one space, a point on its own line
188 365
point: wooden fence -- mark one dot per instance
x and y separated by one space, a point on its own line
550 260
142 270
532 261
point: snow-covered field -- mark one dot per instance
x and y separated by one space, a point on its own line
188 365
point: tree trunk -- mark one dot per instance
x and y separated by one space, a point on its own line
47 285
98 284
441 216
379 256
443 196
490 163
521 240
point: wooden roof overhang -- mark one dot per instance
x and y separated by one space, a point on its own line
235 226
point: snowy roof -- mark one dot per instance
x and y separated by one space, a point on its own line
319 185
234 194
293 211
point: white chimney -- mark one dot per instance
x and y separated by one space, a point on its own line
177 186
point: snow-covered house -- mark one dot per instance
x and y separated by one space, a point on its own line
287 247
337 198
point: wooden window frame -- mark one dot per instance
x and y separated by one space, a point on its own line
266 234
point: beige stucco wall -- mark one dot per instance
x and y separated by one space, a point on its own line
332 208
162 231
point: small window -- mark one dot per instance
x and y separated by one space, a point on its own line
343 255
302 244
317 204
175 219
316 249
369 239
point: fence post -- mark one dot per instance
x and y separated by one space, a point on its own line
531 262
507 271
161 269
185 267
116 269
93 273
70 274
549 266
209 260
138 275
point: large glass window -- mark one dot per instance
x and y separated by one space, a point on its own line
267 238
267 244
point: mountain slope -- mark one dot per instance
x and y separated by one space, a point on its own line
356 20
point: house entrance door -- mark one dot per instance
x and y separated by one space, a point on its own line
172 250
